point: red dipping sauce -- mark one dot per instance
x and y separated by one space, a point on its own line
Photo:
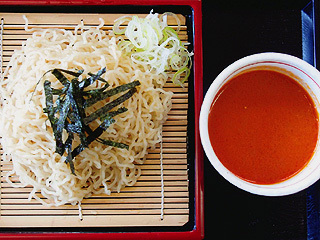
263 126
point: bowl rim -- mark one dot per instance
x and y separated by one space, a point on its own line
287 186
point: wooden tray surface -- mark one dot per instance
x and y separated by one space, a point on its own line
139 205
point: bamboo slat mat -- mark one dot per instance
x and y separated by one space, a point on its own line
139 205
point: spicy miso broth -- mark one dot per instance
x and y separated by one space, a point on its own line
263 126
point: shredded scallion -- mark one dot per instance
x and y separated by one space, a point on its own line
153 43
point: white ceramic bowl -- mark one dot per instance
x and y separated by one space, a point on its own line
307 76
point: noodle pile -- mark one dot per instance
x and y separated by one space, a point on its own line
27 137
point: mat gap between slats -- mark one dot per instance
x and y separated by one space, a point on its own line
137 205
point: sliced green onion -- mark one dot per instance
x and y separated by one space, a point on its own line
118 22
164 15
151 42
178 78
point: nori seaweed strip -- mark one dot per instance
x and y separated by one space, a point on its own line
50 110
95 92
78 111
75 74
57 73
74 115
72 73
85 128
99 78
70 127
56 108
78 98
72 123
98 97
101 112
57 91
112 143
107 121
88 81
63 112
96 133
68 111
54 121
49 101
69 159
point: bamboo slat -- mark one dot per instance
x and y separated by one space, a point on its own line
138 205
94 220
55 19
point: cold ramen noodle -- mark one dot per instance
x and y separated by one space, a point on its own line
54 65
263 126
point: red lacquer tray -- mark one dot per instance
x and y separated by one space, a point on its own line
185 200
